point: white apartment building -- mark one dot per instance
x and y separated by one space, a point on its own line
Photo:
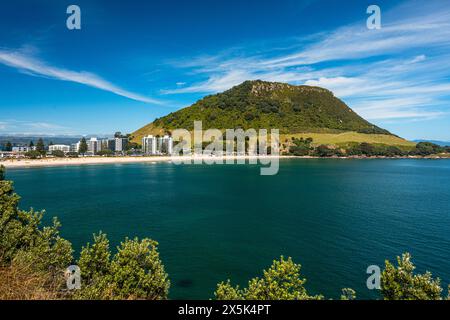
93 145
149 145
59 147
120 144
75 147
152 145
22 149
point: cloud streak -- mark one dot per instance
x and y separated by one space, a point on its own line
32 66
30 127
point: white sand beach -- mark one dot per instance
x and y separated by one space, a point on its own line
23 163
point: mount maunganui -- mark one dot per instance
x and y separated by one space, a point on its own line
265 105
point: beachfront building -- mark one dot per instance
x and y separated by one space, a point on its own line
108 144
6 154
59 147
115 144
93 145
22 149
152 145
149 145
120 144
74 147
165 145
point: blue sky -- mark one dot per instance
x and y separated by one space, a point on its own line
136 60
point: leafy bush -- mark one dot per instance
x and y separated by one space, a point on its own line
400 283
72 154
326 151
301 147
135 271
426 149
280 282
58 153
33 154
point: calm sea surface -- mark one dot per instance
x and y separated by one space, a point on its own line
334 217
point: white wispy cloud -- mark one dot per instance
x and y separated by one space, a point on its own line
35 67
394 73
11 126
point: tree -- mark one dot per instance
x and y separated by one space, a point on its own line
326 151
367 149
95 259
95 266
301 147
135 271
400 283
33 154
348 294
31 144
2 173
132 146
72 154
281 282
8 146
393 151
427 148
40 147
58 153
83 146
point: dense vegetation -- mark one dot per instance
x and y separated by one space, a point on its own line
33 259
259 104
306 147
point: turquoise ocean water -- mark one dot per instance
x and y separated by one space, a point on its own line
334 217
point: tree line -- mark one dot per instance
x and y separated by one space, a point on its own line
34 257
305 147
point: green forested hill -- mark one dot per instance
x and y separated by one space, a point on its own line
260 104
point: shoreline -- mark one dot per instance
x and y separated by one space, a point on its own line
53 162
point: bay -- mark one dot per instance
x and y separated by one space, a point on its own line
333 216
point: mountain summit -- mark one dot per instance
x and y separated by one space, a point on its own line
265 105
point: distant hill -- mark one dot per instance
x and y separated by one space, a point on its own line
259 104
24 140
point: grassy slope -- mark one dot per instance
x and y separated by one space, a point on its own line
346 138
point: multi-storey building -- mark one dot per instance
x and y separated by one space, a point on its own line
93 145
60 147
120 144
22 149
152 145
149 145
